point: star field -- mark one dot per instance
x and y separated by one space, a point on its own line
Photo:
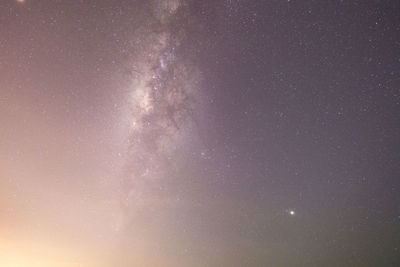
199 133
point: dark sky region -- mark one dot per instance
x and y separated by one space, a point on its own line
199 133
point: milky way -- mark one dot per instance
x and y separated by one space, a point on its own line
163 97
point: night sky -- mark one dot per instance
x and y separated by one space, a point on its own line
168 133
